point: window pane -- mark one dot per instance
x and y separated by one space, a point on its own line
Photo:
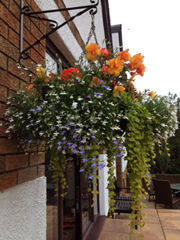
51 64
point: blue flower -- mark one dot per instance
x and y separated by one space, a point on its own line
73 151
69 143
91 177
101 166
97 94
45 102
63 132
120 147
84 159
30 141
64 147
59 143
81 152
31 124
115 142
106 87
85 97
52 128
119 155
93 136
81 170
69 124
93 159
74 136
38 109
75 130
53 107
32 110
73 146
101 80
93 165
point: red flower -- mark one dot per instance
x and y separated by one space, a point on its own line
70 73
105 52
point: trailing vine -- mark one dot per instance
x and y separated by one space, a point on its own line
139 147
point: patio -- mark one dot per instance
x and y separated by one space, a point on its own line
162 224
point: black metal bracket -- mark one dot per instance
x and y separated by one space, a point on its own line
25 11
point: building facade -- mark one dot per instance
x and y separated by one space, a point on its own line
28 207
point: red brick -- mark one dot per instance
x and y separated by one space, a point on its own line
13 162
9 81
27 174
8 180
8 49
35 31
3 29
8 146
13 38
12 68
37 158
15 9
41 170
2 163
3 61
2 110
5 2
36 57
3 94
3 129
8 18
42 27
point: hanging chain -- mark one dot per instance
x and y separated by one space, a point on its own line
92 30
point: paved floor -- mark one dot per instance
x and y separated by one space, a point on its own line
162 224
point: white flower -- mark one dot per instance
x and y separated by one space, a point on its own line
74 105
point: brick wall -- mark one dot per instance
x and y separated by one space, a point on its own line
15 166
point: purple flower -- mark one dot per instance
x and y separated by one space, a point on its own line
73 146
53 107
93 165
91 177
119 155
38 109
31 124
120 147
75 80
44 103
75 130
63 132
106 87
101 80
64 147
101 166
59 143
73 151
97 94
74 136
69 124
115 142
85 97
81 170
93 159
32 110
30 141
52 128
81 152
93 136
69 143
84 159
88 67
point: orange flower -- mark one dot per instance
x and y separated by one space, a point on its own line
46 80
95 81
29 87
104 69
115 66
136 61
70 73
117 89
125 55
141 69
152 94
40 72
93 51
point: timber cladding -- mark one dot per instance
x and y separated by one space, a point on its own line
15 166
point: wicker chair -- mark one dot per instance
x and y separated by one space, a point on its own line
163 193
